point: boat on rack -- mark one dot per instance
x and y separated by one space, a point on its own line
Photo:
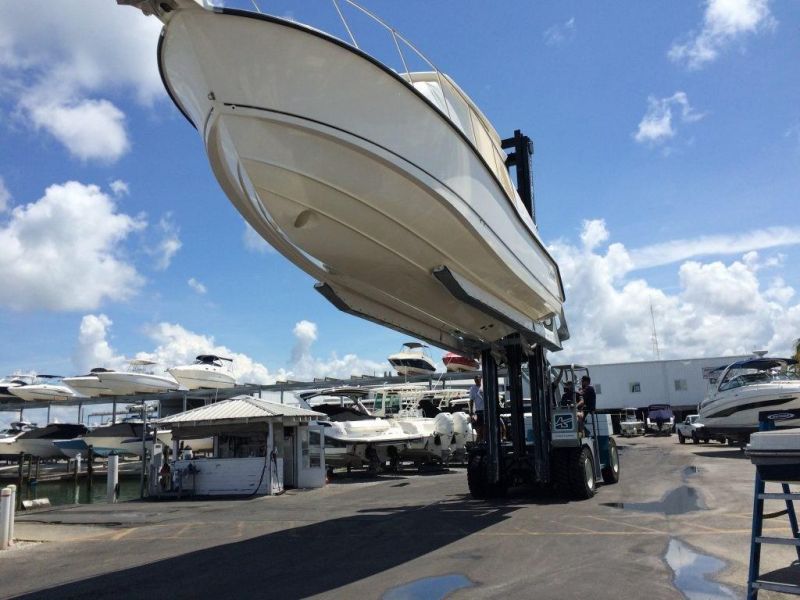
208 371
10 435
140 378
123 438
89 385
389 187
413 359
45 388
455 363
746 388
41 441
12 381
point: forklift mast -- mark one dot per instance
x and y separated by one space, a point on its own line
516 352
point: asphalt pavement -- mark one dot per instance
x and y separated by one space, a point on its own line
676 525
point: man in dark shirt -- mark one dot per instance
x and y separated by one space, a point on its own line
588 394
587 401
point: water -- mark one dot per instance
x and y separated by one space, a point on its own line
428 588
66 492
691 568
679 501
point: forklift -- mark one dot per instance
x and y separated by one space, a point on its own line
550 445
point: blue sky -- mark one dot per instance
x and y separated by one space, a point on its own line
667 172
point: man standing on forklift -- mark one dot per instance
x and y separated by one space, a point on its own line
587 400
476 407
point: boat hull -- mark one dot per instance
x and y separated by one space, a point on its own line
88 385
735 412
43 393
193 378
369 193
460 364
137 383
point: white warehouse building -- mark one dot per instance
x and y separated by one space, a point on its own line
681 383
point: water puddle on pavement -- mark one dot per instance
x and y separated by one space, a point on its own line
690 569
428 588
688 472
679 501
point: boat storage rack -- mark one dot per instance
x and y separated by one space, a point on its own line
773 469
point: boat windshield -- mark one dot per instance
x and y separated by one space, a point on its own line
743 377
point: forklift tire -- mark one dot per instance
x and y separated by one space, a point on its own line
478 478
681 439
574 472
611 472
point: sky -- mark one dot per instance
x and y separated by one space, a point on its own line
667 170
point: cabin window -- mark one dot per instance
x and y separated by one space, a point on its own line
680 385
598 389
635 387
392 404
378 402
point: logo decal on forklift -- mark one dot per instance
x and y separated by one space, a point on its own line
563 422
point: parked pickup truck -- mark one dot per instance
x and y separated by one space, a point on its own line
692 430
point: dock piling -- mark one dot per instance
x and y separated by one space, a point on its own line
112 478
13 489
5 517
20 473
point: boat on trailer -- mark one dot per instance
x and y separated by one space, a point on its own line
353 171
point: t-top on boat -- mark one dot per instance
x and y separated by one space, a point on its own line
746 388
388 187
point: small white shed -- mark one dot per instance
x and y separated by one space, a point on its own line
260 447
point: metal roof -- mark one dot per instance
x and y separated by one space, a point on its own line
240 409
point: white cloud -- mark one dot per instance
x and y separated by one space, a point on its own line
5 196
197 286
718 308
724 22
305 366
64 251
656 125
93 349
169 244
176 345
560 34
254 242
120 188
677 250
594 233
57 62
89 129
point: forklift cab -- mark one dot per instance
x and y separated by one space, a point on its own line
589 444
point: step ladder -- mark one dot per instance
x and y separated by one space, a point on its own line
787 579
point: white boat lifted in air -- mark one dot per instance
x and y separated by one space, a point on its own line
388 187
208 371
413 359
746 388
